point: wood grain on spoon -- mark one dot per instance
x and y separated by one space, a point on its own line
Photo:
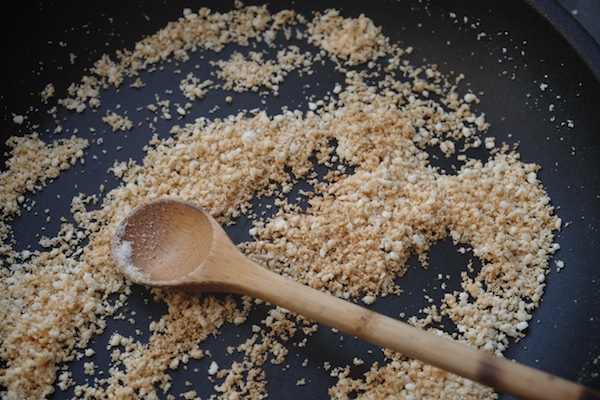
173 244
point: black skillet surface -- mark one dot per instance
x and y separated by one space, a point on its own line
538 75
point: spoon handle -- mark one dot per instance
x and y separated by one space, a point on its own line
504 375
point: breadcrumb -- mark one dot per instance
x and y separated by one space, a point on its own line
381 202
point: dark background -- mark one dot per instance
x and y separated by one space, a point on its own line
587 13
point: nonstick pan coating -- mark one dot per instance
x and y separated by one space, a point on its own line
537 74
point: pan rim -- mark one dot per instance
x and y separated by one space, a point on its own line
572 31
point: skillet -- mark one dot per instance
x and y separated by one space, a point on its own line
539 74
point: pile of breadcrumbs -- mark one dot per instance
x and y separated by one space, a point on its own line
382 202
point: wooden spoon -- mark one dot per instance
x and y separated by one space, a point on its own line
173 244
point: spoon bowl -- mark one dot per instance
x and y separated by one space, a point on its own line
174 244
162 242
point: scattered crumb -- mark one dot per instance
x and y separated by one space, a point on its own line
117 122
380 203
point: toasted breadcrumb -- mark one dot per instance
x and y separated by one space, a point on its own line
381 202
117 122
